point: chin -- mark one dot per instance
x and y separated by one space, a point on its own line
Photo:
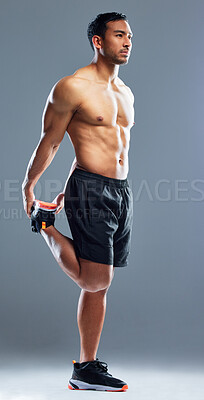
122 62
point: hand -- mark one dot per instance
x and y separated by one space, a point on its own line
59 200
28 199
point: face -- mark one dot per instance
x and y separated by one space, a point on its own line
116 46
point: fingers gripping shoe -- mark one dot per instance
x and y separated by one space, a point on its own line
93 375
42 215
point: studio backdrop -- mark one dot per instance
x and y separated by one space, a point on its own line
155 305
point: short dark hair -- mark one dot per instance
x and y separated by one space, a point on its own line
98 25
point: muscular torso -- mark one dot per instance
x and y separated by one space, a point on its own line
100 128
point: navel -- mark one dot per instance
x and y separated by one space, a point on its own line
100 118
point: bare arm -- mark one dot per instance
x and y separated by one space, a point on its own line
61 104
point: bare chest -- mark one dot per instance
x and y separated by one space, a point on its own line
104 107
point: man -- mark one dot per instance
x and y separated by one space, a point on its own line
95 107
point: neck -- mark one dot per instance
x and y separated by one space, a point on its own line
106 71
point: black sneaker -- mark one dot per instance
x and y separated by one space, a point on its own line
93 375
42 215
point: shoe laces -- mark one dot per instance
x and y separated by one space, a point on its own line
103 366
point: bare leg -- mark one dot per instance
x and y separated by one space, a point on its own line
90 317
86 274
62 249
94 280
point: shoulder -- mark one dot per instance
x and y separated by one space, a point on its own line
68 91
68 86
128 90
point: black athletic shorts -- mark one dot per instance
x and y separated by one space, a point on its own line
99 210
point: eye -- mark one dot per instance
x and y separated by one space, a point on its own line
119 34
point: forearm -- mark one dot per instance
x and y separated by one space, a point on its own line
40 160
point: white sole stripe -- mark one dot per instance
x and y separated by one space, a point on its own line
85 385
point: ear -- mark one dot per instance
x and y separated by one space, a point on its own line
97 41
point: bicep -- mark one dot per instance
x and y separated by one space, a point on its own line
60 107
54 123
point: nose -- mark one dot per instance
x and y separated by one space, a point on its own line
127 42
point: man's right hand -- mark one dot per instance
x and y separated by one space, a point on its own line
28 199
59 200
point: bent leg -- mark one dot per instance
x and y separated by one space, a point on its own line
86 274
94 279
62 249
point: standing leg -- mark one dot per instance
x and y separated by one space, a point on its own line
90 318
94 280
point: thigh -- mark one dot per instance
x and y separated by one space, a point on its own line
95 274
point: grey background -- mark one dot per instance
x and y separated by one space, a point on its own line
155 306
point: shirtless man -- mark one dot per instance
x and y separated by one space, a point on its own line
95 108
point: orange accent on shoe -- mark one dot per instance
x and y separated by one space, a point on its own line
73 361
43 225
70 387
44 204
124 388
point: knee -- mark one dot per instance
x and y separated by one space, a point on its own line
101 284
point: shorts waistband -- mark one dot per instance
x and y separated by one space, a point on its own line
86 175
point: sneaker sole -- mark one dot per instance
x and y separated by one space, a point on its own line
44 206
80 385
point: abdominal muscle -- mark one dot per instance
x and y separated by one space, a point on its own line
99 156
103 164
